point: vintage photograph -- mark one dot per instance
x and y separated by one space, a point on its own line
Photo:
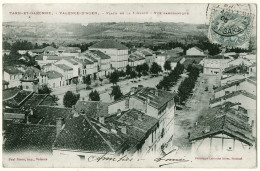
129 85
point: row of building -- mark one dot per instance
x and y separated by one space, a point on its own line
228 127
140 122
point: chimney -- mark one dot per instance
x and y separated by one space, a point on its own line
27 119
101 119
123 129
118 112
132 90
59 125
74 112
140 118
31 111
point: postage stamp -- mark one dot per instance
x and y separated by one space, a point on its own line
230 26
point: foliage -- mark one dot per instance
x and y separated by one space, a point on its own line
155 68
128 70
70 99
95 77
94 96
116 92
186 87
88 80
167 66
55 98
45 90
100 79
121 73
114 78
172 78
133 74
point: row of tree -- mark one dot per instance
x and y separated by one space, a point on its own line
172 78
187 85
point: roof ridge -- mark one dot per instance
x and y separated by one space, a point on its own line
109 145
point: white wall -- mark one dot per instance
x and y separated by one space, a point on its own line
194 51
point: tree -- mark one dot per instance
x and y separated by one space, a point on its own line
88 81
116 92
167 66
45 89
128 70
94 96
100 79
95 77
139 68
155 68
114 78
139 76
121 73
133 75
55 98
70 99
145 67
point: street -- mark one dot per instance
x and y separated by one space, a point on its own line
196 104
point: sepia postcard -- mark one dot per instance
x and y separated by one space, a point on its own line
129 85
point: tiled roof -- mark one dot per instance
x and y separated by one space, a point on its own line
68 49
227 96
39 57
10 92
64 67
138 126
92 109
174 59
5 82
21 137
109 44
191 59
49 48
18 99
135 57
81 134
31 71
101 54
156 100
70 60
34 100
218 57
12 70
197 48
47 115
229 85
223 120
53 74
138 119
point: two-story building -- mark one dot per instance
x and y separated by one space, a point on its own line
104 63
135 59
55 79
74 64
247 84
12 75
65 70
33 79
222 132
215 65
117 52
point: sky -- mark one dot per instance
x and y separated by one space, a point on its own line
187 13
